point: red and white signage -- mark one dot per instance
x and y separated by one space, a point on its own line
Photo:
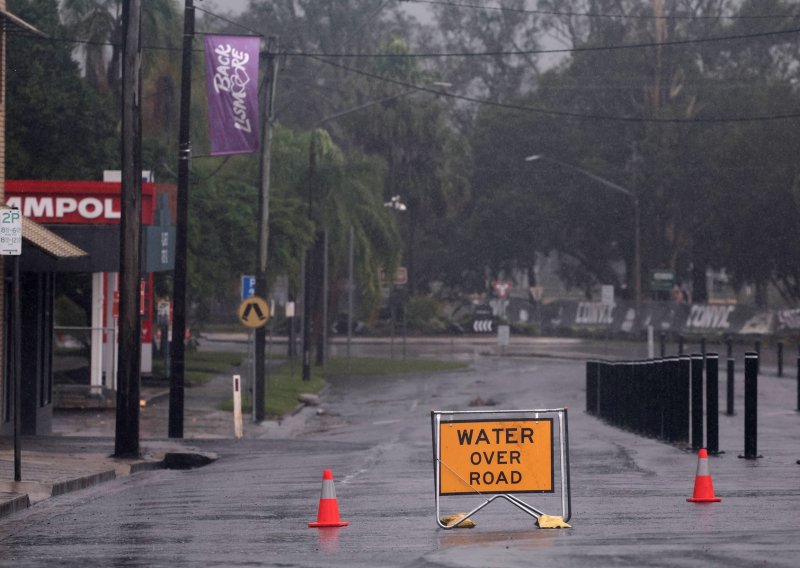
74 202
502 288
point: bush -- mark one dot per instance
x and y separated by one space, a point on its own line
424 315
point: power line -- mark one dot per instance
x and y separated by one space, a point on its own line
231 22
569 13
552 51
643 45
560 113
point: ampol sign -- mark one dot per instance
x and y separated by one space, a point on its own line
74 202
89 212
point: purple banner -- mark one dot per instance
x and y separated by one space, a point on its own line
232 86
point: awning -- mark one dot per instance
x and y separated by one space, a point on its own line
17 21
47 241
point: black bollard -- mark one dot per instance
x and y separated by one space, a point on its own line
750 406
660 388
703 347
592 369
681 401
731 369
680 344
663 341
603 372
697 401
712 403
669 377
780 358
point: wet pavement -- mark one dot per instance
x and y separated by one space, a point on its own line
251 507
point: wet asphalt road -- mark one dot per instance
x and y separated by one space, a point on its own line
251 507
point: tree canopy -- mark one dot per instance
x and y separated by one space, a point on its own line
691 106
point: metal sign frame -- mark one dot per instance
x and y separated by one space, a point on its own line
560 416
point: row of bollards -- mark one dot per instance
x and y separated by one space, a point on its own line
731 364
664 398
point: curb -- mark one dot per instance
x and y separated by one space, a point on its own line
17 496
11 503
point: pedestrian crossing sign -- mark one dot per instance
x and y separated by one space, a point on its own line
253 312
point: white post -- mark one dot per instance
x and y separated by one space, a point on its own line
96 364
651 348
110 332
237 406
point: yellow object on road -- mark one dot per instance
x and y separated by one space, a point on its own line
451 520
552 522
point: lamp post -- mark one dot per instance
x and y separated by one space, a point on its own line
633 196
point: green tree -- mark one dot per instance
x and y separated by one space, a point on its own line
425 160
57 127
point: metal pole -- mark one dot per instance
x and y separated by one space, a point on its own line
16 379
591 386
731 372
712 403
322 337
682 397
130 346
177 348
259 387
350 286
697 401
306 362
750 406
780 358
637 253
730 380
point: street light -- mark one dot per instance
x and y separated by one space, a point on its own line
632 195
396 204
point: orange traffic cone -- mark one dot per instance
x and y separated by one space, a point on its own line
328 515
703 486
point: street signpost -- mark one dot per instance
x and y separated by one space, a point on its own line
502 288
483 319
11 245
503 336
253 312
662 279
248 286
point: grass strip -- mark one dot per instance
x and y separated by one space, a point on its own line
285 384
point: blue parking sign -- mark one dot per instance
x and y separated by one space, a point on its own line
248 286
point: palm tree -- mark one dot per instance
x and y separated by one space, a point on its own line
99 24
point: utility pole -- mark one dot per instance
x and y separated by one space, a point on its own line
178 347
309 262
259 385
130 332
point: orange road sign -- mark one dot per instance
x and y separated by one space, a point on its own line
496 456
253 312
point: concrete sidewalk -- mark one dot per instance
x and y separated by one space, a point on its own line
53 465
79 454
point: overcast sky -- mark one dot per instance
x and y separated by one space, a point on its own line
238 6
